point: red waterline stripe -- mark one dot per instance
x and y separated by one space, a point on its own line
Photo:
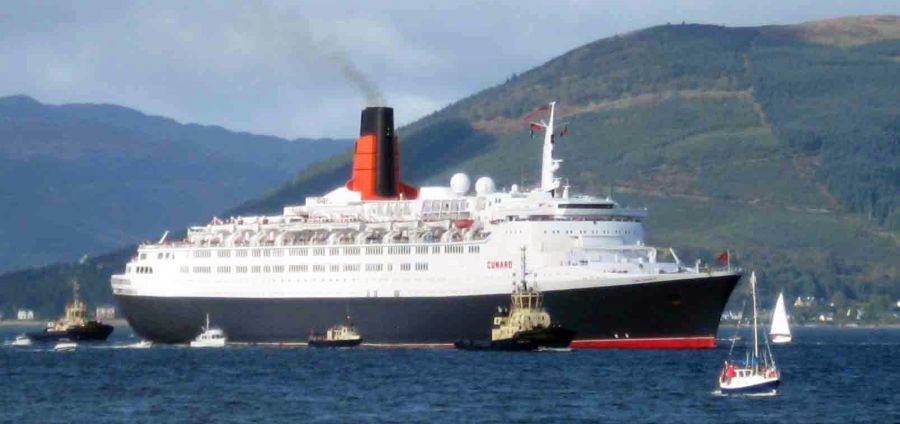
655 343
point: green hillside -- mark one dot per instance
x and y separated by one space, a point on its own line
777 142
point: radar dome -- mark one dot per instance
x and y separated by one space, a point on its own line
460 183
485 185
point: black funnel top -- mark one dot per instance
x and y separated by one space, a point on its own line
380 122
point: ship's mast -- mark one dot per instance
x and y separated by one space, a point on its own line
755 336
549 182
75 290
524 275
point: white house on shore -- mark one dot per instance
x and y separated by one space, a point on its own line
25 315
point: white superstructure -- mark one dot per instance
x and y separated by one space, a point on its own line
449 241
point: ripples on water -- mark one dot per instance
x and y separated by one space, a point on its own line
828 375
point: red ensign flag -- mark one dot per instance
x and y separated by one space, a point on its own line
723 257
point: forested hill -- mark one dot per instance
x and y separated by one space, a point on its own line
777 142
84 178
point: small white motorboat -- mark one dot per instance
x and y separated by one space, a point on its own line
65 346
21 340
756 373
210 337
143 344
781 331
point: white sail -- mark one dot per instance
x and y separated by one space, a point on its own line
780 332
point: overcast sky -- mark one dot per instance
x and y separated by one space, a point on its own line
303 68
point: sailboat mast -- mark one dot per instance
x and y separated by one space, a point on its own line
755 335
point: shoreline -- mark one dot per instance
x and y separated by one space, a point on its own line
838 326
42 323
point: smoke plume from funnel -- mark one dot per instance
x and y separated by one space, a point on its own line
354 75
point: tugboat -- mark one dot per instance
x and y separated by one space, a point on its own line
210 337
524 326
757 373
342 335
74 326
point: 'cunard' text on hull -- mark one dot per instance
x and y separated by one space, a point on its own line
424 265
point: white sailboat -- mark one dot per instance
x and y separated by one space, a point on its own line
780 332
756 373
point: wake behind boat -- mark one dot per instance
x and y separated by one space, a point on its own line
756 372
780 332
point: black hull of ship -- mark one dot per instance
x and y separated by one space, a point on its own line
334 343
94 332
669 314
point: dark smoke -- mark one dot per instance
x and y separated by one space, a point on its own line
354 75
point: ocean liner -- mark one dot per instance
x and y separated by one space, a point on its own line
424 265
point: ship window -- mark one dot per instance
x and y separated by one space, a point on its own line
334 268
241 253
351 267
143 256
405 267
240 269
223 269
422 250
223 253
474 249
334 251
184 270
255 268
435 249
319 251
421 266
318 268
257 253
277 268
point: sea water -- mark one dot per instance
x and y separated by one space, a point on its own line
829 375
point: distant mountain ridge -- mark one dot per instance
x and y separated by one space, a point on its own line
86 178
777 142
